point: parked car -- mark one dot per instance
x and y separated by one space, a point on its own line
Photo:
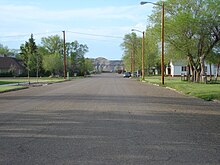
127 74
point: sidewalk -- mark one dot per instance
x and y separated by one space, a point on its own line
15 84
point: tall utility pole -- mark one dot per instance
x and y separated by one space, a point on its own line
162 37
133 60
162 40
64 54
143 56
142 72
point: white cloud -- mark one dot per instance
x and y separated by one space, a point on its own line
110 21
30 18
140 26
12 12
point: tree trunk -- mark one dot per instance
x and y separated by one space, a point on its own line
217 71
37 68
210 68
203 72
188 72
198 72
192 68
192 71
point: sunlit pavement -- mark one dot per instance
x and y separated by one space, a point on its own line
107 119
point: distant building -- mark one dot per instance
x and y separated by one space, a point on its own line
116 65
11 64
103 65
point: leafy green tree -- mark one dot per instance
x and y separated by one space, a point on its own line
192 27
4 50
53 64
52 52
152 56
30 56
53 44
75 54
88 65
214 58
43 51
132 52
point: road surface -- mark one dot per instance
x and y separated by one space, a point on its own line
107 119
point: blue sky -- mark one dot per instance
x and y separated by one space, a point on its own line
20 18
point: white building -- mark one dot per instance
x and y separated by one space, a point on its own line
179 68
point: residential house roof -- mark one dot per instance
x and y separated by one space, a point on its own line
7 62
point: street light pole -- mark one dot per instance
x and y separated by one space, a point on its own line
64 54
143 56
142 71
162 38
133 60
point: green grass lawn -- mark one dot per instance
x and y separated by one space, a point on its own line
10 80
11 88
205 91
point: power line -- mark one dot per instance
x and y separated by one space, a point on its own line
96 35
36 34
25 35
12 36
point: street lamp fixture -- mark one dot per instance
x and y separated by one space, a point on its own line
142 72
143 3
162 38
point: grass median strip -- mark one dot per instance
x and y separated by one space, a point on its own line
11 88
32 80
16 81
205 91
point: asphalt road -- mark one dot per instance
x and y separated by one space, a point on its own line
107 119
